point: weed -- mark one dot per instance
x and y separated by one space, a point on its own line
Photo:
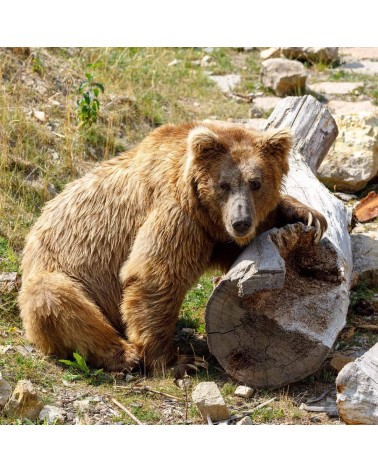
88 104
37 64
80 370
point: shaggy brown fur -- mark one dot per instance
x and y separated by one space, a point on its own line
108 263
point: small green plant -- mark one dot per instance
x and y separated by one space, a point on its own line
88 104
79 368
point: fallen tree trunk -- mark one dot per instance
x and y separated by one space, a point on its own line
275 315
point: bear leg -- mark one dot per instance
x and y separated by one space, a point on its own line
59 318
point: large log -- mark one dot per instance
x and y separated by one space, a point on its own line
274 317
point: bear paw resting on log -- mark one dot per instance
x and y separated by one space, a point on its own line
108 263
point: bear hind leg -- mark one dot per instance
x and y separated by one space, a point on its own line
59 318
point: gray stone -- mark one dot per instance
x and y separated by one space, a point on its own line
52 415
226 82
24 402
335 88
353 158
210 402
360 67
39 115
283 76
243 391
245 421
365 257
357 389
188 331
316 55
5 391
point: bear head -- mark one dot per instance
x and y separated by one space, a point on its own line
237 175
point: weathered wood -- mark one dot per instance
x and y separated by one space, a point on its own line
357 389
275 315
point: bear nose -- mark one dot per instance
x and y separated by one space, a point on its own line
242 226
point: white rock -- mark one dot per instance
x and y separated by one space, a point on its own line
335 88
318 55
266 103
359 53
357 390
24 402
5 391
226 82
270 53
353 158
365 257
207 61
245 420
82 405
209 401
39 115
174 62
341 107
361 67
283 76
52 415
243 391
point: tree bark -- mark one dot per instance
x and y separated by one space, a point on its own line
274 317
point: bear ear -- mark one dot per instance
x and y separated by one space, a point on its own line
278 143
203 143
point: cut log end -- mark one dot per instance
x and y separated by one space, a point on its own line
268 338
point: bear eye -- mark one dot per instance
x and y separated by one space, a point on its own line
254 184
225 186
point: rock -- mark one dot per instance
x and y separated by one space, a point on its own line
39 115
357 390
340 360
360 67
283 76
345 197
359 53
82 405
207 61
254 123
5 391
340 107
9 282
335 88
270 53
263 105
24 402
210 402
353 158
226 82
52 415
365 257
174 62
367 209
245 420
314 55
188 331
243 391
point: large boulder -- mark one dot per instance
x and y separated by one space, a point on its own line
283 76
353 158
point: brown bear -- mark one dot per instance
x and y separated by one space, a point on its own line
108 263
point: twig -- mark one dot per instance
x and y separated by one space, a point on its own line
148 389
247 413
320 397
369 327
331 410
126 411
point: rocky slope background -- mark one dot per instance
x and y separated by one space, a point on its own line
52 130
